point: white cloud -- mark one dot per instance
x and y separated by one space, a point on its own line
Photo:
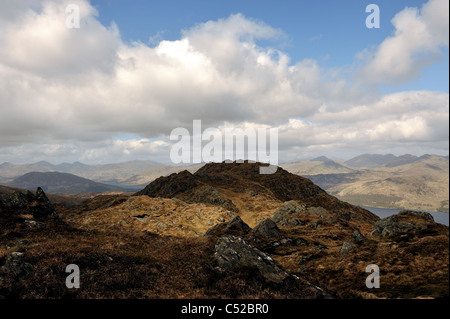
41 43
416 43
67 93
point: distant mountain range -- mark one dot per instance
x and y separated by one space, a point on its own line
62 183
388 160
109 173
320 165
385 181
370 160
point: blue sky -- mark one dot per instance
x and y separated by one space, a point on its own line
330 31
114 89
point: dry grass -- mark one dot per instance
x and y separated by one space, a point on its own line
120 264
167 217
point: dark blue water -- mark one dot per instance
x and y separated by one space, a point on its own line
439 217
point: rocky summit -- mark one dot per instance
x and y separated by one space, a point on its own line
239 187
203 234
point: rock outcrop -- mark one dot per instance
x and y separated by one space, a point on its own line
235 226
232 254
38 205
266 229
281 216
357 236
403 222
15 266
347 247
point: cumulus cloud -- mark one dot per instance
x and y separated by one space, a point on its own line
70 93
39 42
419 34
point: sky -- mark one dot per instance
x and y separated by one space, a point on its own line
113 89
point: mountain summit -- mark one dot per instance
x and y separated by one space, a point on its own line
239 187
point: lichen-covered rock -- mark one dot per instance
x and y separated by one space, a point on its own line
400 223
37 204
357 236
347 247
424 215
15 266
234 253
266 229
288 208
386 227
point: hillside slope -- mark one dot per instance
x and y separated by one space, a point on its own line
421 183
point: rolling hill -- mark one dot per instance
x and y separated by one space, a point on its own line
404 182
110 173
64 183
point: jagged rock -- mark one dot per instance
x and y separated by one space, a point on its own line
235 226
45 202
288 208
16 266
391 226
346 247
386 227
37 204
424 215
357 236
16 200
233 253
266 229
